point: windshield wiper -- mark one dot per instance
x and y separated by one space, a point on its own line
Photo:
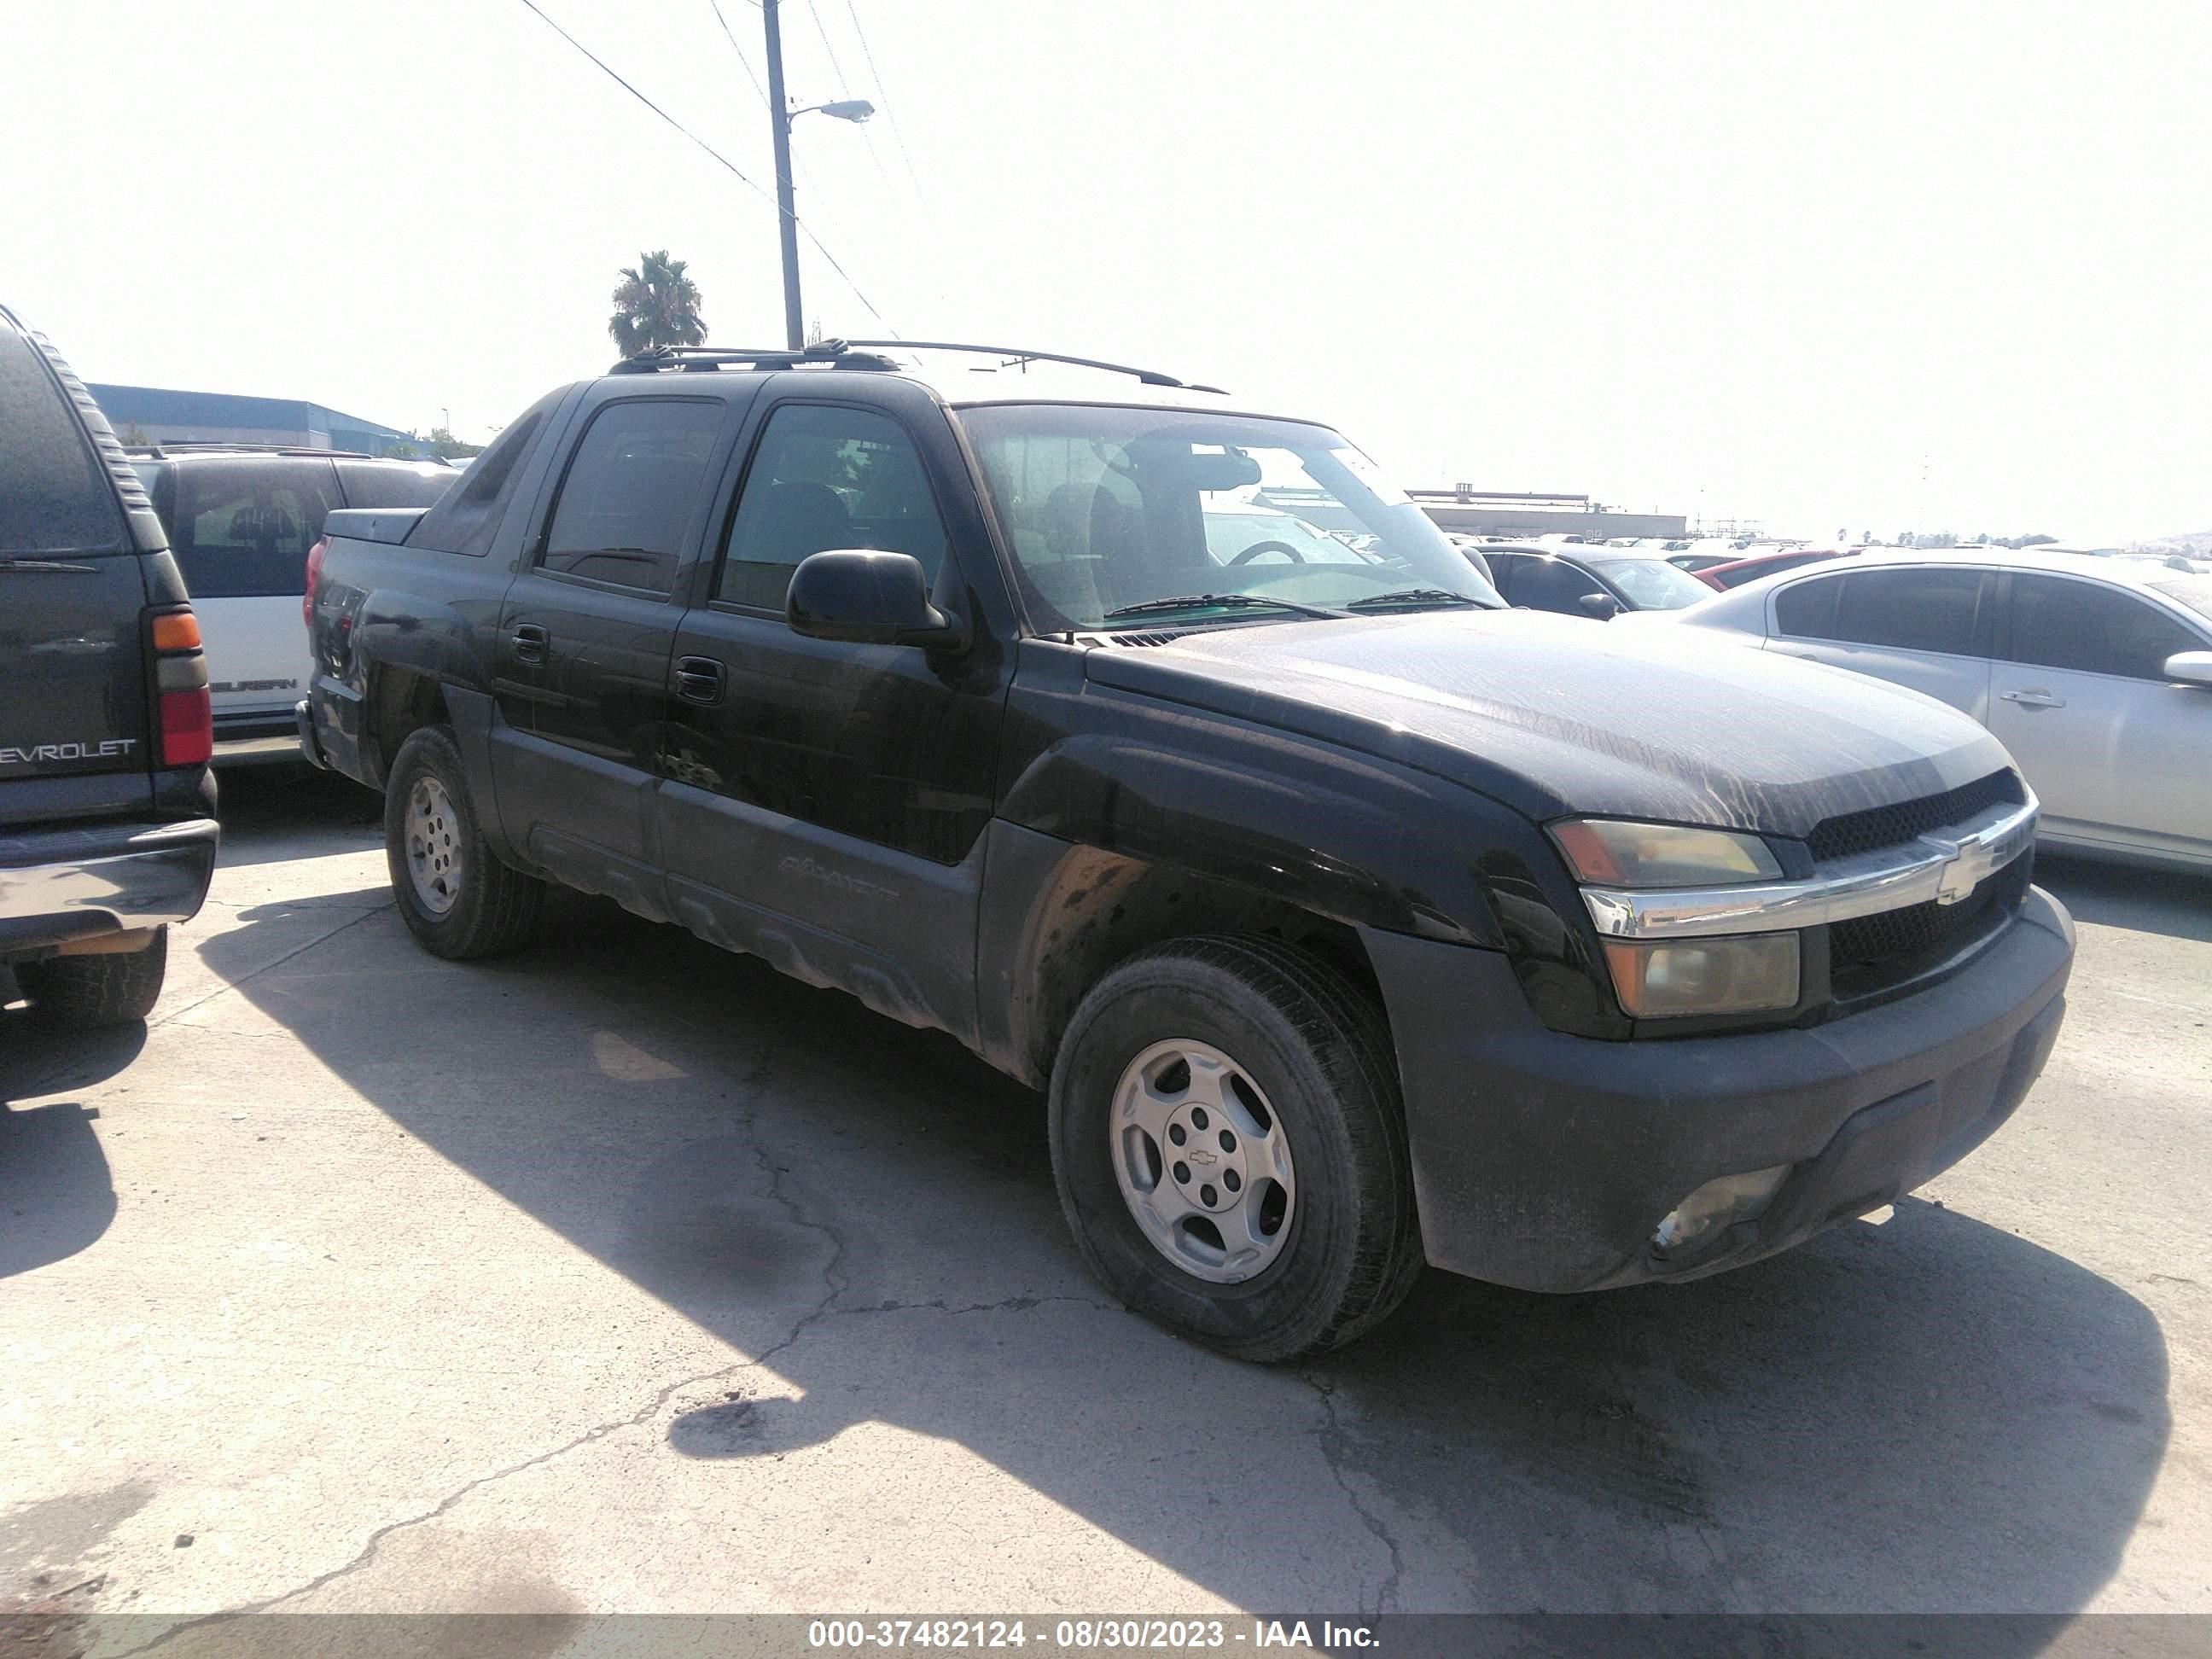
8 562
1412 596
1227 601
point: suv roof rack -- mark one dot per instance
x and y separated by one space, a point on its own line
1023 355
837 353
160 452
867 354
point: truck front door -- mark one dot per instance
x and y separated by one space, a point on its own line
823 804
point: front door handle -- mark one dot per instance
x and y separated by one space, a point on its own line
699 679
530 643
2036 699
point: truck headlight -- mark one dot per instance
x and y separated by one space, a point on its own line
1613 852
1739 974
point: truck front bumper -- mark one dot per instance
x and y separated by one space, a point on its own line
60 885
1547 1162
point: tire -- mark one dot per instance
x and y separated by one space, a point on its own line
75 993
488 907
1308 1059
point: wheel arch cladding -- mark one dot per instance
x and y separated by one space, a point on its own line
1058 917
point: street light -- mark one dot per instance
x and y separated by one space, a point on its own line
781 116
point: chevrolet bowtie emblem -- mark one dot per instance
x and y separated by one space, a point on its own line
1199 1155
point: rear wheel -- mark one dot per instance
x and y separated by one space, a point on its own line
110 988
1229 1143
454 894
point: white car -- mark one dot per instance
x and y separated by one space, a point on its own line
240 521
2095 673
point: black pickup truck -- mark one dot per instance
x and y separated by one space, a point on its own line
107 831
1175 764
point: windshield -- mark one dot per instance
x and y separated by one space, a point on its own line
1121 518
1652 584
2195 592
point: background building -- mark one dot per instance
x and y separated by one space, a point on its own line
159 416
1472 511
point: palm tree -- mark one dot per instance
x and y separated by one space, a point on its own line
656 305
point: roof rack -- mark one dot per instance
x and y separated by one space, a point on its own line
1022 355
867 355
160 452
837 353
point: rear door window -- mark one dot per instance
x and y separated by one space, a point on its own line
55 497
1808 610
630 491
2093 629
242 529
1915 609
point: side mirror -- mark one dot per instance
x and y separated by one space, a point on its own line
866 597
2189 667
1603 606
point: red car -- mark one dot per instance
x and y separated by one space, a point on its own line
1739 571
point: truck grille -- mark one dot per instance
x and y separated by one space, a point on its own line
1868 954
1893 826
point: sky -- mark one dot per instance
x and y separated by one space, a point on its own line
1865 267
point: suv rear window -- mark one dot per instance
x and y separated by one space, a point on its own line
392 483
55 497
242 529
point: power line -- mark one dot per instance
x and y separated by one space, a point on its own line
737 172
650 105
836 68
750 74
766 104
890 105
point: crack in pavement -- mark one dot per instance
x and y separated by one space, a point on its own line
1335 1443
1011 1304
229 986
754 1084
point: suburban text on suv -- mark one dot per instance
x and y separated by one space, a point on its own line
107 828
242 521
1350 919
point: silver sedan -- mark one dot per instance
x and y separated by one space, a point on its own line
2095 673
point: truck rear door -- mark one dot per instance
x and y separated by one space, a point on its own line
75 721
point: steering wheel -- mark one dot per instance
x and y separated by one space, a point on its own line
1258 547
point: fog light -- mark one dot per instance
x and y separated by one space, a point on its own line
1716 1206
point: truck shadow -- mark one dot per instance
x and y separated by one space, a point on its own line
55 1197
1933 1414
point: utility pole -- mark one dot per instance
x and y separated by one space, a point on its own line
794 331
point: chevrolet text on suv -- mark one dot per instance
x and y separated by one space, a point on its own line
107 828
1351 919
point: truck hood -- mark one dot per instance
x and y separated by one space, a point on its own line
1555 716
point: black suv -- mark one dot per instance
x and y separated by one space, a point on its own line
1171 760
107 829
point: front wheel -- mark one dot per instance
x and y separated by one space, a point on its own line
454 894
1229 1147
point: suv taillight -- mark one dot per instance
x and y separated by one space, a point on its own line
314 575
181 683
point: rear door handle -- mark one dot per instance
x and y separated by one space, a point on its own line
699 679
2037 699
530 643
